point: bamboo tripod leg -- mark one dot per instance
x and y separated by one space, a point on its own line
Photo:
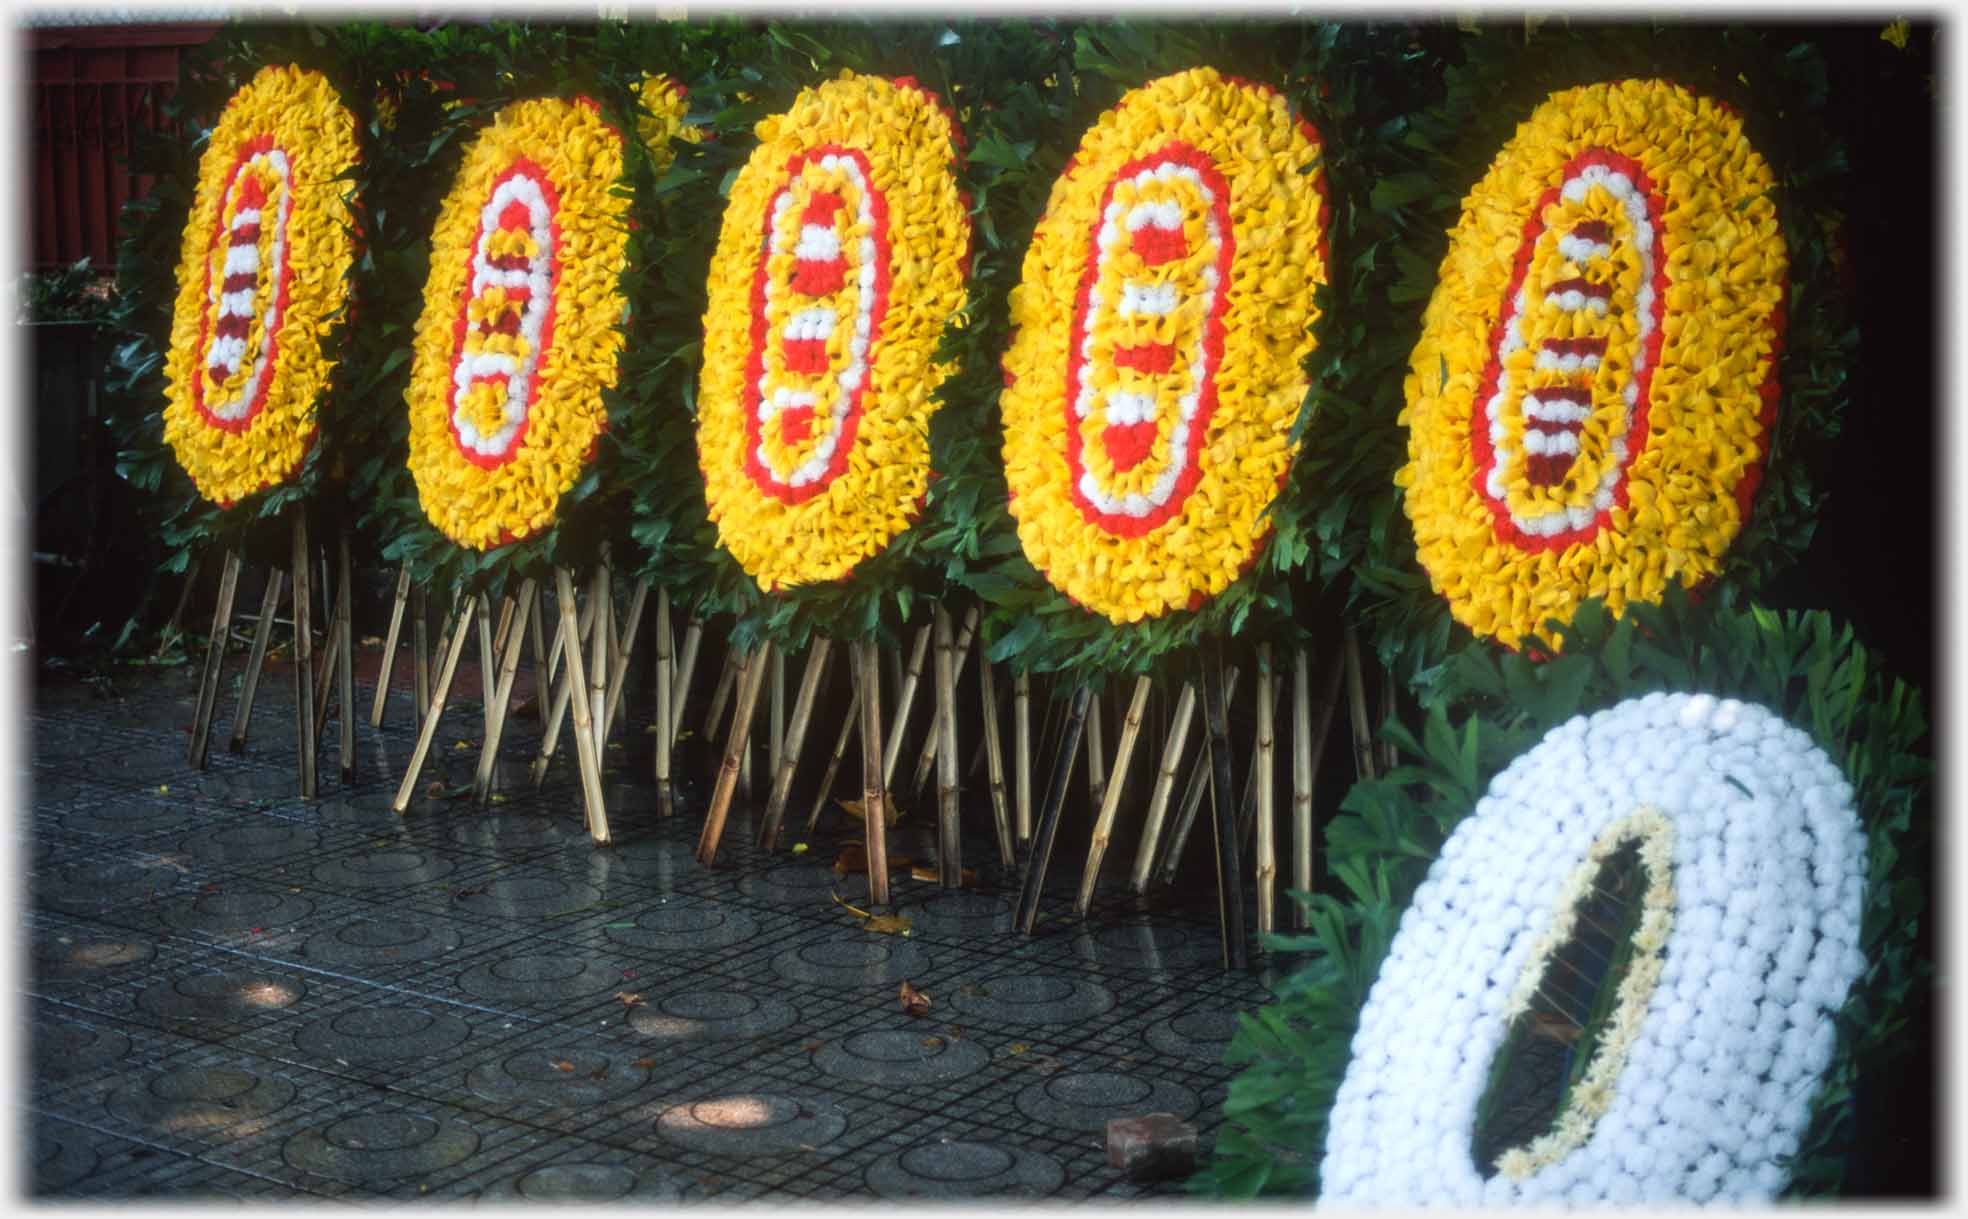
1302 844
563 694
693 637
994 760
601 641
782 776
1027 916
215 649
389 647
447 669
1192 795
1021 752
1356 693
618 672
874 817
488 753
776 716
848 721
276 581
749 684
943 729
420 674
324 672
1247 808
1110 802
1229 877
932 742
345 672
536 631
1158 801
1321 732
665 701
303 653
1267 850
584 742
444 628
734 661
903 702
487 667
1096 755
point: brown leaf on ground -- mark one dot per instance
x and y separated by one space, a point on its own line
852 858
647 1064
562 1065
932 1042
966 877
629 998
914 1001
888 924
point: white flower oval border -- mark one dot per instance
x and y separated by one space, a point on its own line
1768 874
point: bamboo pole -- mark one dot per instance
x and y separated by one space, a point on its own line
1247 807
776 715
1110 804
1303 841
848 721
262 636
782 775
1096 755
734 661
563 696
584 621
215 649
1027 916
903 703
535 630
750 682
488 753
1193 793
874 818
665 702
618 673
587 755
943 730
932 741
1229 877
1356 693
324 672
1021 752
693 636
454 648
1158 801
602 636
420 655
390 639
1267 849
487 667
994 759
303 653
345 671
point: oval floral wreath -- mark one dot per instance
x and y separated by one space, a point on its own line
1589 402
264 271
1162 321
520 328
843 254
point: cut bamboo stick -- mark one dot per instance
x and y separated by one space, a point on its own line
420 674
994 759
665 702
1356 693
303 654
583 622
1096 755
345 672
1229 877
1027 916
276 580
215 650
1267 849
618 672
603 635
782 775
563 697
1110 804
734 662
903 702
324 672
1192 794
446 670
693 637
390 640
487 667
587 754
874 816
1021 751
776 715
536 630
737 743
932 740
488 753
949 831
848 722
1158 800
1304 841
1247 808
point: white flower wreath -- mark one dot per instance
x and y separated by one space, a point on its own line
1746 947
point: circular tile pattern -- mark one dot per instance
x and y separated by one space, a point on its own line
391 868
362 814
901 1056
540 979
503 833
63 1048
1202 1036
657 862
198 1100
587 1183
962 915
381 1036
101 884
237 909
257 841
63 956
371 942
119 814
250 785
556 1075
687 924
528 896
1087 1100
712 1015
961 1169
227 994
1150 946
381 1147
752 1124
62 1156
1025 999
789 884
858 959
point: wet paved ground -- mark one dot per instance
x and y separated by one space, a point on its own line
236 992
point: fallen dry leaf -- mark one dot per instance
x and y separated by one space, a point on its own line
562 1065
914 1001
1017 1047
647 1064
888 924
932 1042
852 858
629 998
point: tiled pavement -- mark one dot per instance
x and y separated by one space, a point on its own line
236 992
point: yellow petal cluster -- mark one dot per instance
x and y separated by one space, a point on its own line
1711 400
299 113
907 141
581 156
1209 528
667 104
